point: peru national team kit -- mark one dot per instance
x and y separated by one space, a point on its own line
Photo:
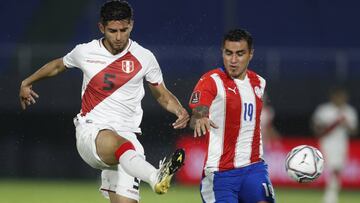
111 99
234 169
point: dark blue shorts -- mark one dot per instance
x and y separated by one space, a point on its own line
250 184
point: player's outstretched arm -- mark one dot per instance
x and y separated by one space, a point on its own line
169 102
27 95
200 122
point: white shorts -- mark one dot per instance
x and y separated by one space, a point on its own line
113 178
335 152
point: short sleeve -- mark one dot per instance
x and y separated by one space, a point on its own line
204 92
154 74
72 59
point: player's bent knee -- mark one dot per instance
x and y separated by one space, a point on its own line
107 143
123 148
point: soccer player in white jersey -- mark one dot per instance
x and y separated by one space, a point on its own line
226 107
114 68
333 122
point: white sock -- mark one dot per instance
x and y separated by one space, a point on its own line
135 165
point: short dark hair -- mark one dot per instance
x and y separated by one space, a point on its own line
115 10
237 35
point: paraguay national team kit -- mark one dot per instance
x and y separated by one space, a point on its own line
234 166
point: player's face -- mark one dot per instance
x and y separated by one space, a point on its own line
339 98
116 34
236 58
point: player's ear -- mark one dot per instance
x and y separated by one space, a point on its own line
101 27
251 53
131 25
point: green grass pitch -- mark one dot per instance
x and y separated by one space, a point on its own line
51 191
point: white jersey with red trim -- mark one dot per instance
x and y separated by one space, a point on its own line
235 107
112 87
334 142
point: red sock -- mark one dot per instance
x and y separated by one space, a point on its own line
123 148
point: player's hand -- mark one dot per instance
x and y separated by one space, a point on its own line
27 96
182 120
345 123
202 126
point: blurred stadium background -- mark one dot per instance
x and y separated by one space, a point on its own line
302 48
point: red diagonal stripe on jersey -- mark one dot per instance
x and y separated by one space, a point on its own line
232 124
108 80
255 146
331 127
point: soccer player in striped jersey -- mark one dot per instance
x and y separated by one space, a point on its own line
114 68
226 106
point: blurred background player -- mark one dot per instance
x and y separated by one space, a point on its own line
333 122
107 126
268 131
226 105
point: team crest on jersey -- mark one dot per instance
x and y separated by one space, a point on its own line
258 91
127 66
195 97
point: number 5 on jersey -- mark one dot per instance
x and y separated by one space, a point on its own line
108 80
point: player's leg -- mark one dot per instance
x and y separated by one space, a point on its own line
118 185
102 149
335 156
112 147
86 134
257 187
332 187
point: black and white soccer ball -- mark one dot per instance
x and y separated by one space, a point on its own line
304 163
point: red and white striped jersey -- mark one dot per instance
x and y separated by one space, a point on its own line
112 87
235 107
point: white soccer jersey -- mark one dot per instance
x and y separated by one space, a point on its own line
235 107
112 87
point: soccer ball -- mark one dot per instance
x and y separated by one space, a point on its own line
304 163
